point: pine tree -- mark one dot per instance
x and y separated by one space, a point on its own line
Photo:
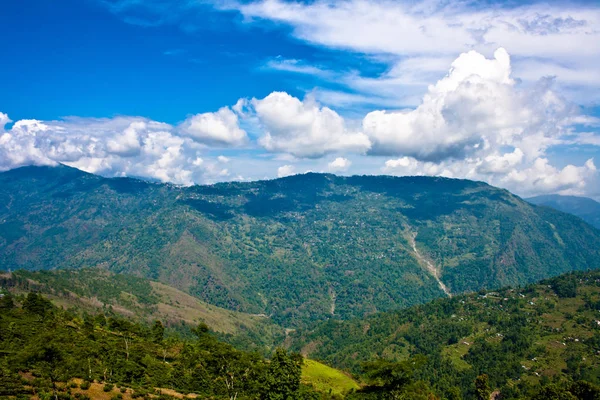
282 380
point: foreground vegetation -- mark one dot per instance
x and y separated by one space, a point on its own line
43 348
541 342
100 291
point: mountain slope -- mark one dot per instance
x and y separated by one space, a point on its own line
95 290
519 337
300 248
583 207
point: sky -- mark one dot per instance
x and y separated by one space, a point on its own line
202 91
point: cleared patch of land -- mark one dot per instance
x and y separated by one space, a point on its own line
326 379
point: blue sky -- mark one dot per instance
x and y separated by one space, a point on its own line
77 58
203 91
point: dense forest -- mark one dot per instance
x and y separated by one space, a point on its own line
299 249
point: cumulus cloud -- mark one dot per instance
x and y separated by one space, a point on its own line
500 163
218 128
542 177
537 177
475 107
4 120
121 146
303 128
477 123
285 170
340 164
404 166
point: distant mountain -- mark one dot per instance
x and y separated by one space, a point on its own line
298 249
583 207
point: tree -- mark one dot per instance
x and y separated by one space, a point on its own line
554 392
482 387
49 361
565 286
36 304
393 375
282 378
158 332
11 384
6 302
585 391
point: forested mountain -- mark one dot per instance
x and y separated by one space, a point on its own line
298 249
583 207
519 338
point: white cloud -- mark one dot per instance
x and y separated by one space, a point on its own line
4 120
429 30
406 166
542 177
285 170
340 164
475 109
538 177
128 143
296 66
223 159
218 128
303 128
122 146
501 163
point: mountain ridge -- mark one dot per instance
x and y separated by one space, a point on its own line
298 248
583 207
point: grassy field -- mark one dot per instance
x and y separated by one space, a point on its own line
326 379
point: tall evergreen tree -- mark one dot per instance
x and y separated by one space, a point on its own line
282 379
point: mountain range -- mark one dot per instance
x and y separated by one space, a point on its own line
298 249
585 208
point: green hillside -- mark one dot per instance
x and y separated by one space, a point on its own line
49 353
326 379
520 338
95 290
299 249
541 342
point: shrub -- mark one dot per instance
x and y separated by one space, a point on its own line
85 385
139 393
108 387
123 389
